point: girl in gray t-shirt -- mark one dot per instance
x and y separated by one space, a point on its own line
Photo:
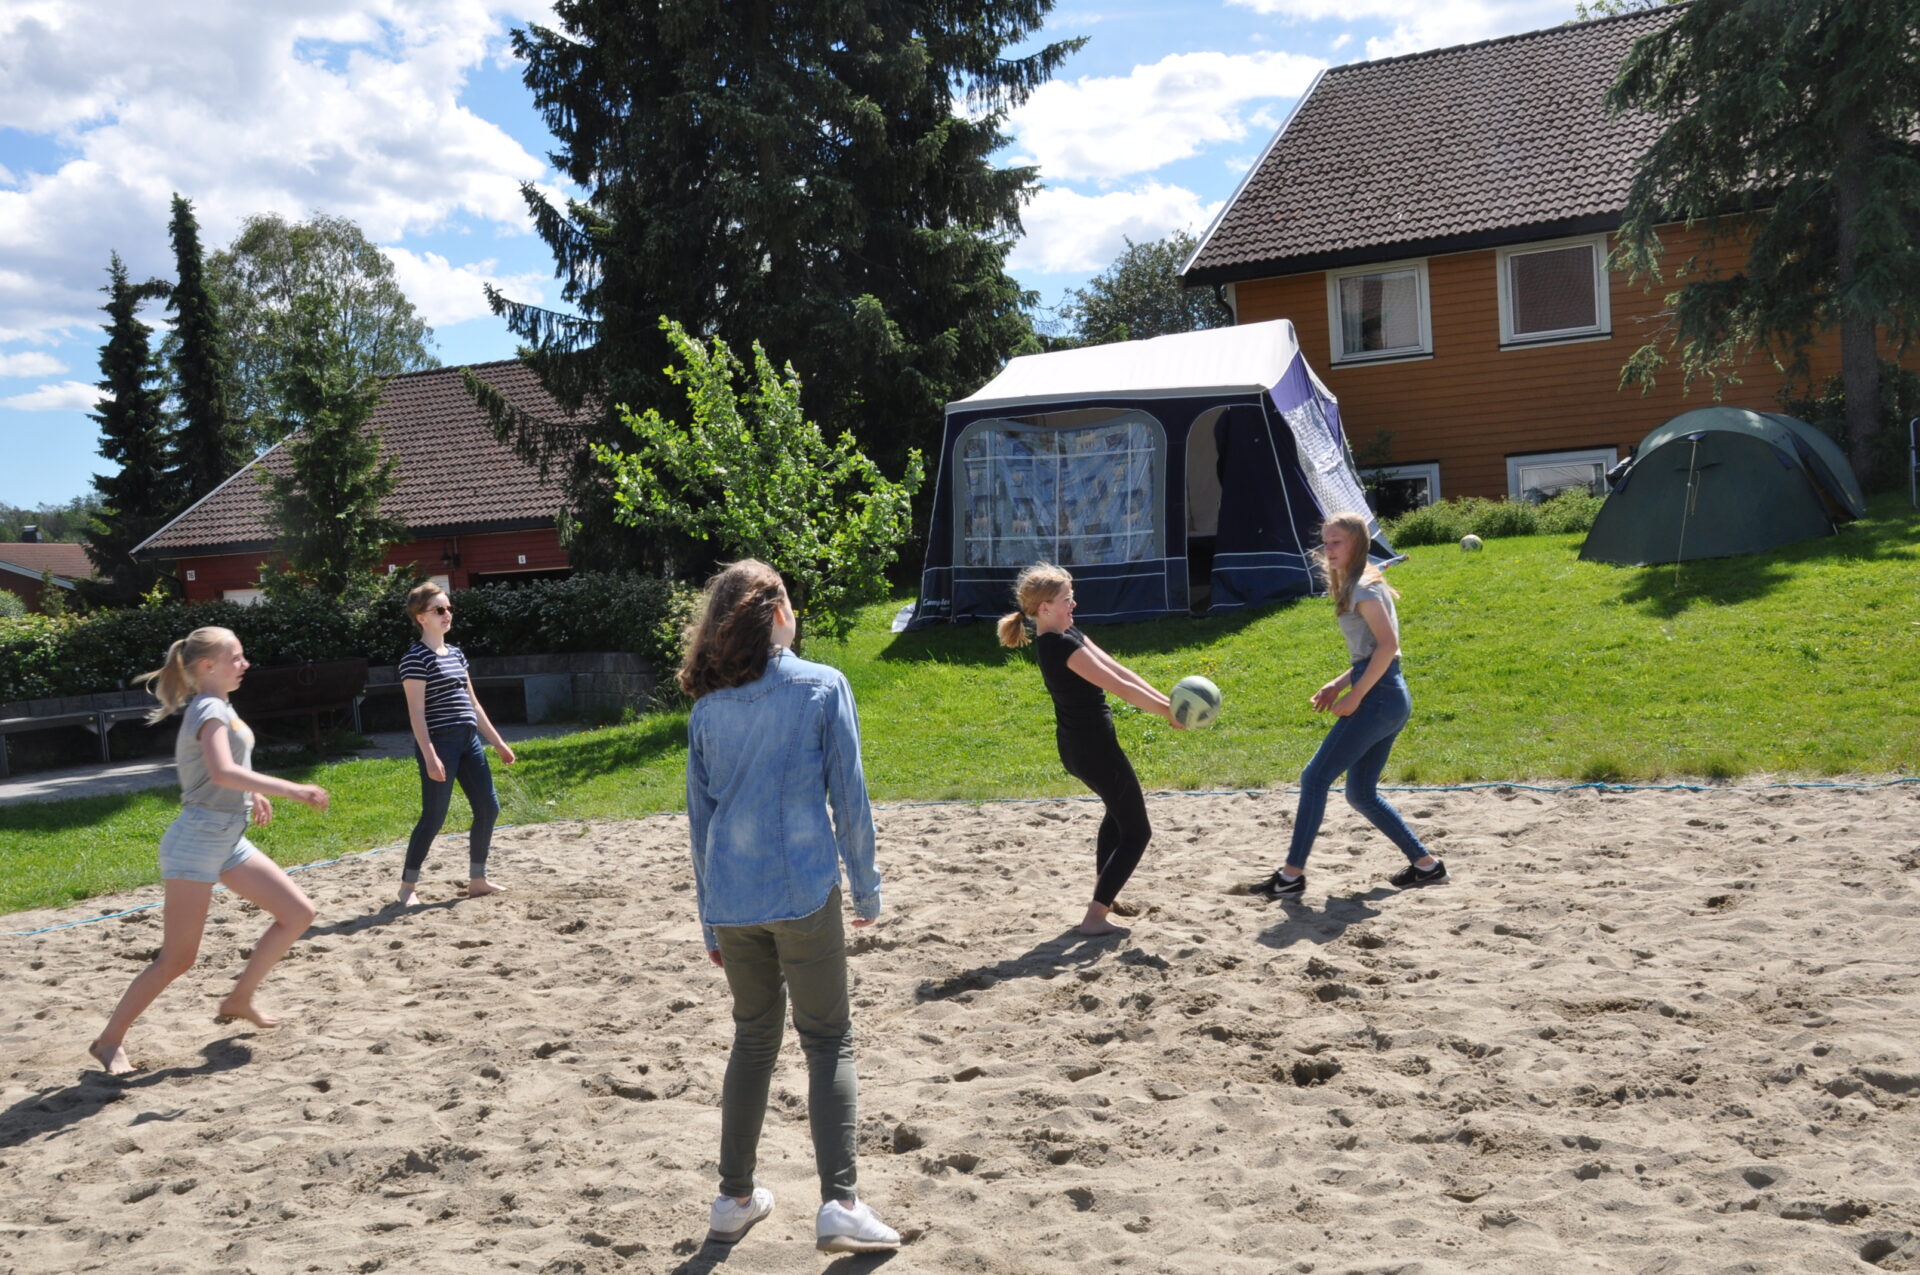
208 841
1371 706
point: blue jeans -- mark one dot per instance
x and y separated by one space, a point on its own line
464 759
1357 746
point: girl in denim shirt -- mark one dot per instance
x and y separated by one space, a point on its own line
774 742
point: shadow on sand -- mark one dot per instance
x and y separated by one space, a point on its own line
51 1111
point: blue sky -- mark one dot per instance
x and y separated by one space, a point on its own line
409 117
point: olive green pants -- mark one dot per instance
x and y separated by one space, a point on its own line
763 963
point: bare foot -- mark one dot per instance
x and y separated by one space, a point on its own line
480 888
1097 929
407 896
230 1010
112 1061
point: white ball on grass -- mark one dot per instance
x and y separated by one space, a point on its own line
1469 542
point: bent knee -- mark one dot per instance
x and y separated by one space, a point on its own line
172 964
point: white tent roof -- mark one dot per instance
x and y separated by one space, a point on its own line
1249 359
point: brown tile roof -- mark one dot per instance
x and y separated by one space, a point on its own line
67 561
455 475
1497 142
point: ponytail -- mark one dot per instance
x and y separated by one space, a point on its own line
1038 584
174 682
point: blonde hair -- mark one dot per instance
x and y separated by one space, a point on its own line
1038 584
728 642
420 597
1341 577
175 682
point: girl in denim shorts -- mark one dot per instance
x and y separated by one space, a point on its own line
208 841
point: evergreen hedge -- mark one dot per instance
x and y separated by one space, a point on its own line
1447 521
42 656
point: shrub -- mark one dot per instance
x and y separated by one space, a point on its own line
43 656
12 605
1448 520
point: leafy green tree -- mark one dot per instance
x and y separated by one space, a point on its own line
139 497
326 511
52 523
1789 129
1140 295
749 475
798 174
208 445
372 331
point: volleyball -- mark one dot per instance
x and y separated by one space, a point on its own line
1196 702
1469 542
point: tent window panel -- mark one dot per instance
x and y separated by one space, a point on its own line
1537 478
1078 497
1554 293
1380 313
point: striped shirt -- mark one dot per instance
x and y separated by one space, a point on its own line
446 678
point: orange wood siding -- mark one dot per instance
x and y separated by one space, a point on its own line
1472 405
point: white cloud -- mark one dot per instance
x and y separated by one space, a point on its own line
1423 24
31 363
1067 232
66 396
445 293
1109 127
351 106
1342 40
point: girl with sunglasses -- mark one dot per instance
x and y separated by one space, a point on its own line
448 727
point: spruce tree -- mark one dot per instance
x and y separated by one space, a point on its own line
208 445
795 175
139 497
1788 131
326 511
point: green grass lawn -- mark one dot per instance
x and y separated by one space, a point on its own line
1524 664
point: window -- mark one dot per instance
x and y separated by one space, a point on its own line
1393 490
1535 478
245 597
1379 312
1554 292
1079 496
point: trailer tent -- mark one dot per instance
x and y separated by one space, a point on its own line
1722 481
1182 472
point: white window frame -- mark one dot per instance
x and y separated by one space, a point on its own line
245 597
1600 330
1429 470
1336 329
1606 457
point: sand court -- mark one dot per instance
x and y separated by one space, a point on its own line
1641 1032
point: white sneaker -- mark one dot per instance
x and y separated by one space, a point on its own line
855 1229
729 1219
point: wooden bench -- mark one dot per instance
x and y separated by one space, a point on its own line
90 719
296 690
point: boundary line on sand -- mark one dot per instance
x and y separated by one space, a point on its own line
1592 786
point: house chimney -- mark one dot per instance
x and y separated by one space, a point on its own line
30 534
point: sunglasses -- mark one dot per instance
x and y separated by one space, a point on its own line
443 609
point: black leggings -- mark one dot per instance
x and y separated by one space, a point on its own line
1094 758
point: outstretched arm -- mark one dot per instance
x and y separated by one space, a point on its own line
1116 679
217 750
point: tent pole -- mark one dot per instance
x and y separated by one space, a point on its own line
1686 509
1913 461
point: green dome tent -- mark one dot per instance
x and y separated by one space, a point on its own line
1722 481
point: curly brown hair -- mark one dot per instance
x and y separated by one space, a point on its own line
728 640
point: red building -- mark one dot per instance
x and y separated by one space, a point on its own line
25 567
474 511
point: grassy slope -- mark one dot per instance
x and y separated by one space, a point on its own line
1524 662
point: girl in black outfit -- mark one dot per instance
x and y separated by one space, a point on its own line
1079 674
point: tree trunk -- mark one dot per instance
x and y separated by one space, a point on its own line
1859 355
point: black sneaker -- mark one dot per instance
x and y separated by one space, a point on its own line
1413 875
1278 886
